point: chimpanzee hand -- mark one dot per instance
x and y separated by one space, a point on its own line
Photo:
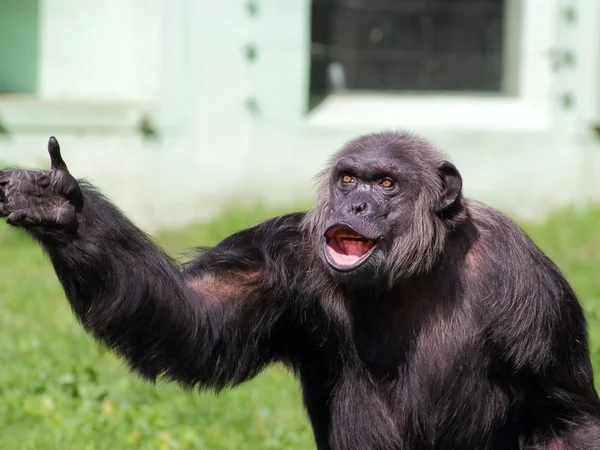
41 199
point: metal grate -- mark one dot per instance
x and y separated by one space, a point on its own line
407 45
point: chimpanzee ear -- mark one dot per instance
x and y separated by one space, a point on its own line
451 186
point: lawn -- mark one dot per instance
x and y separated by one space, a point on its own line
59 390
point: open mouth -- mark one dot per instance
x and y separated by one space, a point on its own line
346 249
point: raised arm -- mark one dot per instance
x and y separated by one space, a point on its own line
214 323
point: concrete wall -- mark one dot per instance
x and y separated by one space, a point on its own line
103 51
182 64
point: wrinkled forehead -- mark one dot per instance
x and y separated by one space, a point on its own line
376 155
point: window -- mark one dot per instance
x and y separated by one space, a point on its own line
19 56
416 46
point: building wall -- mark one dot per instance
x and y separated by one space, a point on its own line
99 51
236 130
18 45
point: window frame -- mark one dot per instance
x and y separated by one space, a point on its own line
526 104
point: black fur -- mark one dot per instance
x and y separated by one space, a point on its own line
456 333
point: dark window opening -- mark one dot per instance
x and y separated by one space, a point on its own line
407 45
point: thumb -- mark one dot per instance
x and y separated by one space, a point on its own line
56 161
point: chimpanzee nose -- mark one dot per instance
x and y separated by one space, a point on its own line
359 204
358 208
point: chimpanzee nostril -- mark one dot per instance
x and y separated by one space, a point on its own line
359 204
359 208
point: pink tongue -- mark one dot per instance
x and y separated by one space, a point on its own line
346 253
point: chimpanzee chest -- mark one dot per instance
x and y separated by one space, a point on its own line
436 376
426 333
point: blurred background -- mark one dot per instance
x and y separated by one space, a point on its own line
202 117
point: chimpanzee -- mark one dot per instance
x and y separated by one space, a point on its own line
414 317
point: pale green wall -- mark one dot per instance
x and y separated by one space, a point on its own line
182 63
19 56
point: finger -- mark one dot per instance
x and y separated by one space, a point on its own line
56 161
5 176
4 210
17 218
42 179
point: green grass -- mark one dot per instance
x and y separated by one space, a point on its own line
59 390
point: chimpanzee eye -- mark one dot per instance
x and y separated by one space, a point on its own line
387 183
347 179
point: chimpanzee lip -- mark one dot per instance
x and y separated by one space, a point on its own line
345 248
